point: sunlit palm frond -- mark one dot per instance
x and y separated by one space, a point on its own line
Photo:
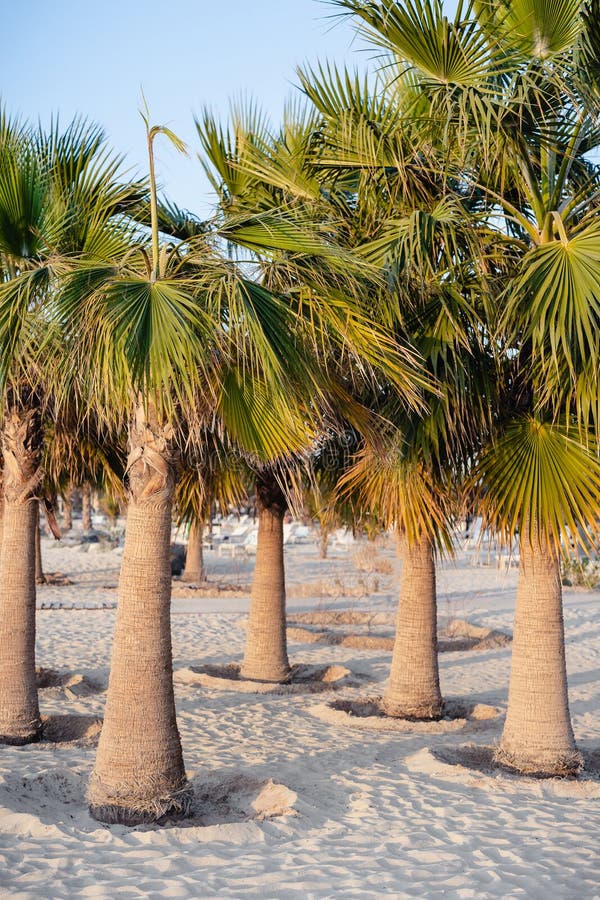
261 420
537 28
538 476
450 52
400 491
556 302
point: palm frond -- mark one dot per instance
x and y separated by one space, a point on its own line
399 490
537 476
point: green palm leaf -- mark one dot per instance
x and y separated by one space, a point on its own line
446 52
23 196
556 300
538 476
539 28
263 422
154 333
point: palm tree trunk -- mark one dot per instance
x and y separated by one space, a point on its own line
323 541
86 506
139 774
266 658
21 446
67 512
194 557
538 736
414 686
40 578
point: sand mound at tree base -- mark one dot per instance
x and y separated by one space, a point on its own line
337 639
71 730
302 679
367 714
83 731
474 765
482 638
221 807
71 684
457 635
227 800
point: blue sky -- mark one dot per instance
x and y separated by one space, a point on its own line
93 57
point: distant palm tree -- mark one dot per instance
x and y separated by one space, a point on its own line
407 215
78 450
263 175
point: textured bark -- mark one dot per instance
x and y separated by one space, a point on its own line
86 506
266 658
40 578
139 774
67 512
323 542
414 685
194 557
538 736
21 446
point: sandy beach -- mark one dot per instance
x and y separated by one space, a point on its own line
354 810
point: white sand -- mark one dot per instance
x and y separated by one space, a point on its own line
353 812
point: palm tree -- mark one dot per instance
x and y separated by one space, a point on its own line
67 515
320 497
543 483
78 451
403 492
196 496
182 339
155 327
56 192
517 86
20 721
410 217
260 174
86 506
265 655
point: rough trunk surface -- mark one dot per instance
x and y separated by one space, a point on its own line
538 736
414 685
266 658
40 578
194 557
86 506
21 447
323 542
139 774
67 518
